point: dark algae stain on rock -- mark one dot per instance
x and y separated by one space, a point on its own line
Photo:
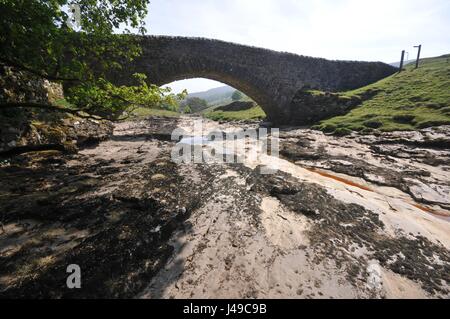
340 228
418 259
140 225
119 238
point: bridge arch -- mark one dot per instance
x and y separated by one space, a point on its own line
270 78
249 90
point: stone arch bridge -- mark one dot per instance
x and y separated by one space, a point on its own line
272 79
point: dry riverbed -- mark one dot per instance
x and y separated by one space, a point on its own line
342 217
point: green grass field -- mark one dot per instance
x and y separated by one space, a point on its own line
144 112
253 113
412 99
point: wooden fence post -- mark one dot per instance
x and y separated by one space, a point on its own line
418 54
401 61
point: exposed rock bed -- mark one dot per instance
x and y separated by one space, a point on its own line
343 217
340 228
100 210
416 162
23 129
61 132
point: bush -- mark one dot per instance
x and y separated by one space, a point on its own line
342 131
403 118
373 124
367 131
237 95
328 128
195 104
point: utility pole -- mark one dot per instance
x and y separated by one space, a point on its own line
418 54
401 61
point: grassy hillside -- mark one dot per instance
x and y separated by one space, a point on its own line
250 114
215 95
254 113
412 99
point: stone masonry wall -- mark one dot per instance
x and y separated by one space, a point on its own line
269 77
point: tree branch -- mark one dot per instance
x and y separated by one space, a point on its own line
32 148
46 107
40 74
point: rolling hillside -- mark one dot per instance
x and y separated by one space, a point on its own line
412 99
215 95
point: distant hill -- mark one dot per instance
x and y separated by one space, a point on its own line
397 64
215 95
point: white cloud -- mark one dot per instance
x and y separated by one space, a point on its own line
333 29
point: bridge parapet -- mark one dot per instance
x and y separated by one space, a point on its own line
269 77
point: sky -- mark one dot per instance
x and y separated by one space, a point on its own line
334 29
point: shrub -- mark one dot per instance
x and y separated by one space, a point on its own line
328 128
373 124
342 131
403 118
367 131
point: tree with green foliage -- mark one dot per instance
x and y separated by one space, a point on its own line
237 95
187 109
195 104
36 38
